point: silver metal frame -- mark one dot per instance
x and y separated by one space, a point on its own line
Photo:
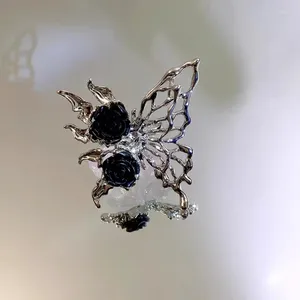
169 210
152 140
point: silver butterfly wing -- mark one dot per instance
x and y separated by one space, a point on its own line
161 122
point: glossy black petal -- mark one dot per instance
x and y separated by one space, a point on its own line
110 123
121 169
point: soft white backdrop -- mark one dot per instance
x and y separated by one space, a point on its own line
243 244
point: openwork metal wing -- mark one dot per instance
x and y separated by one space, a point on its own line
163 118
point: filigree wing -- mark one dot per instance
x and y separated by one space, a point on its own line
171 164
164 114
163 118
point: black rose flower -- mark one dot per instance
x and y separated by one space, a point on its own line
110 123
121 169
139 222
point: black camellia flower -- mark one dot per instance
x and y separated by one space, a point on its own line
139 222
121 169
110 123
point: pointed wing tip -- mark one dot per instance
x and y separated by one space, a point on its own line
90 83
63 93
196 61
81 158
96 200
97 204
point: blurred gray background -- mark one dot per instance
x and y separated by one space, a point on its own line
243 244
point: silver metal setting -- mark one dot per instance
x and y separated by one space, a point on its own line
170 210
155 131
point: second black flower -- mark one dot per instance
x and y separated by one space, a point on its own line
121 169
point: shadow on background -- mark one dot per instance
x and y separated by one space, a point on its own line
16 63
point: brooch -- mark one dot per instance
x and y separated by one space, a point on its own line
128 144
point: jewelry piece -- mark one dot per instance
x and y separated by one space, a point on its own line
126 145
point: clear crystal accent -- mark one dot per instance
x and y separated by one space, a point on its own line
148 195
147 189
133 142
170 210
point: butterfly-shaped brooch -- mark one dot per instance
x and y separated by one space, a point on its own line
148 137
